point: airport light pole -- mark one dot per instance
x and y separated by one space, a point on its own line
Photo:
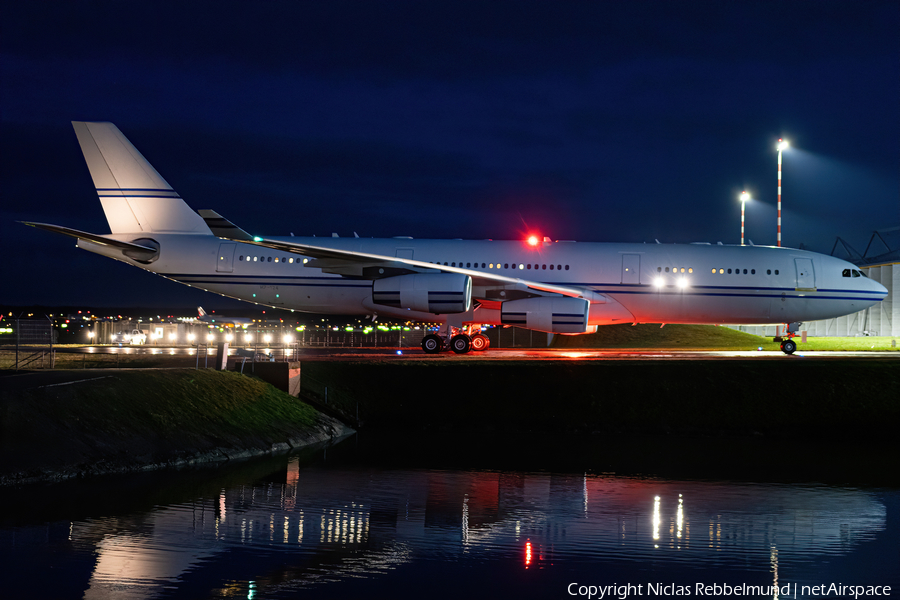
782 145
744 197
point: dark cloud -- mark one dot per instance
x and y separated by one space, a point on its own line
593 121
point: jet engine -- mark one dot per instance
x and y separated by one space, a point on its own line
440 294
553 315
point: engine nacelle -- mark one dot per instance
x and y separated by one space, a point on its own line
440 293
553 315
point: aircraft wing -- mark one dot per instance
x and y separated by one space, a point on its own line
374 266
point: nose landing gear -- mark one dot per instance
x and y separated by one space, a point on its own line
788 345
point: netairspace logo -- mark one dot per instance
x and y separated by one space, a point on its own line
789 590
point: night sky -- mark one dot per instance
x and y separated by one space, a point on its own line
593 121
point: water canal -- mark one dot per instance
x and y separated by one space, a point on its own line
370 519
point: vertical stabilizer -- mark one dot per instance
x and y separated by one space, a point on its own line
134 196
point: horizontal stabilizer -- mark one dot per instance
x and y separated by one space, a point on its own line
222 227
94 237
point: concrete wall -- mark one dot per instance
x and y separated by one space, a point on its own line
283 375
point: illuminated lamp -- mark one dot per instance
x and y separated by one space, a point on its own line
744 197
533 240
682 283
782 145
659 282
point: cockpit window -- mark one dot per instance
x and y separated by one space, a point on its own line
845 273
855 273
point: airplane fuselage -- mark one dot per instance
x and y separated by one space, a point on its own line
658 283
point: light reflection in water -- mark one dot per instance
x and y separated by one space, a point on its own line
773 558
656 520
347 524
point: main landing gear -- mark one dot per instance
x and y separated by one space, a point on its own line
788 345
460 340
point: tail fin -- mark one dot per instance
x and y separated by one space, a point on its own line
134 196
201 312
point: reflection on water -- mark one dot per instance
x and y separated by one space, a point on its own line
332 530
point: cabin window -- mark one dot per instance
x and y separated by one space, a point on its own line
505 265
714 271
529 265
567 267
667 269
753 271
543 267
729 271
551 267
745 271
521 266
776 271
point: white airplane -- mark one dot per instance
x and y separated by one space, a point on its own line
218 320
558 287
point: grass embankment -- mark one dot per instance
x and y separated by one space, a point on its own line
706 337
125 420
788 397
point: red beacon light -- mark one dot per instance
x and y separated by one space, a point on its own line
533 241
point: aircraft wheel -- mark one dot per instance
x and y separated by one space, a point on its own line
788 346
480 342
432 344
460 343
